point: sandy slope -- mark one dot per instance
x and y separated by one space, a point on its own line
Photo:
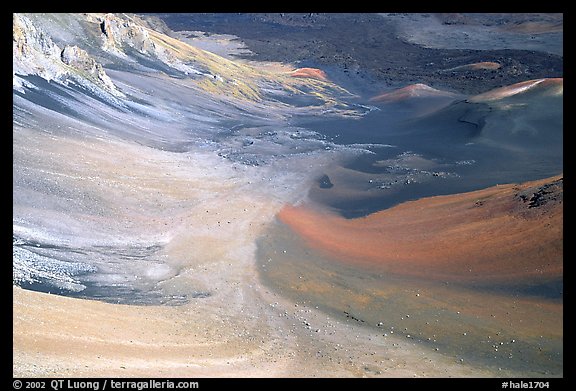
211 216
57 336
546 87
476 276
412 91
483 235
212 220
243 329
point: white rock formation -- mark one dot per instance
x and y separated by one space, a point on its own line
35 53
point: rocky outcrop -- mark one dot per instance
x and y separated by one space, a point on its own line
35 53
117 32
538 196
26 38
130 42
120 33
79 59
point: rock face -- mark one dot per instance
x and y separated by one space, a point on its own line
120 33
27 39
81 61
35 53
117 31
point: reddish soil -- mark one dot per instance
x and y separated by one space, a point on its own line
496 234
411 91
311 73
550 86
